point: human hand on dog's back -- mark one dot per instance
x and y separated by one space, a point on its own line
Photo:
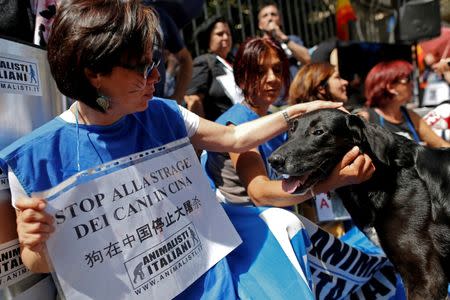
355 167
34 227
318 104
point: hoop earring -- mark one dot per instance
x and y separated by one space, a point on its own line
103 101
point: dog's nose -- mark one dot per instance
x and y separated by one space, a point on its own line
276 161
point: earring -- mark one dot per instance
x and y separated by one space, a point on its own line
103 102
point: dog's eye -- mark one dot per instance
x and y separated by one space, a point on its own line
318 132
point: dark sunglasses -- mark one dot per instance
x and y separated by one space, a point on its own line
146 69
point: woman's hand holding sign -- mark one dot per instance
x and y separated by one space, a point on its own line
34 227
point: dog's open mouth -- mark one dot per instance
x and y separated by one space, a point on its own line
296 184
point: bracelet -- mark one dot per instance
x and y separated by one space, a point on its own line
311 192
286 118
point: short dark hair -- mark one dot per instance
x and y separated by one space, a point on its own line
97 35
245 67
203 32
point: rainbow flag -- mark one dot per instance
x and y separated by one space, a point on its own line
344 14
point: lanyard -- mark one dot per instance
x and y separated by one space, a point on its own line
408 122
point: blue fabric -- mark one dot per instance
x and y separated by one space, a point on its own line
357 239
260 268
293 63
48 156
239 114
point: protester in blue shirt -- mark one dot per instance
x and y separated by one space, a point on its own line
110 70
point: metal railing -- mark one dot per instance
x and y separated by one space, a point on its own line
312 20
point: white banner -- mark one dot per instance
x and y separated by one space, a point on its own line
12 269
142 227
19 75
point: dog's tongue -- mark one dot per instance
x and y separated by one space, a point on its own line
289 185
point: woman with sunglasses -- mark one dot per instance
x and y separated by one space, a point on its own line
104 55
388 88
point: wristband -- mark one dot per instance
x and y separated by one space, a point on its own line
286 118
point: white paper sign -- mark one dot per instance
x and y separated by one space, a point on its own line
142 227
329 207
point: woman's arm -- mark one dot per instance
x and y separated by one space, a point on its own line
194 103
354 168
34 226
215 137
426 133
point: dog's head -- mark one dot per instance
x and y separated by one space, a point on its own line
318 141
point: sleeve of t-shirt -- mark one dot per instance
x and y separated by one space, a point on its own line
191 121
296 39
200 77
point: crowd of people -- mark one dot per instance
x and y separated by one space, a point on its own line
223 106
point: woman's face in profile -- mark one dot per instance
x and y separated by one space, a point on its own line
220 39
337 87
130 86
403 89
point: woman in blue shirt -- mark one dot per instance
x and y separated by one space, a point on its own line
105 55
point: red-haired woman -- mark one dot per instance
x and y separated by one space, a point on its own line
261 71
247 183
388 87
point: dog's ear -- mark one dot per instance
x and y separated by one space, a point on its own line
370 138
356 126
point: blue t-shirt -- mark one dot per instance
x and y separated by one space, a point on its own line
219 168
48 156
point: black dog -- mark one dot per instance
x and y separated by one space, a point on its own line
407 200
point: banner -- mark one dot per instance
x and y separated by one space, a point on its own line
340 271
12 269
19 75
144 226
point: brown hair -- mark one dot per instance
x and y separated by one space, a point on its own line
97 35
306 83
245 67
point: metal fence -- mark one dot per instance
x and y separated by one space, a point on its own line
312 20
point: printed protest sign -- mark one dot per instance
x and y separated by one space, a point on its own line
142 227
12 269
19 75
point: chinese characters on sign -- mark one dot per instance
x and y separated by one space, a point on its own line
146 228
